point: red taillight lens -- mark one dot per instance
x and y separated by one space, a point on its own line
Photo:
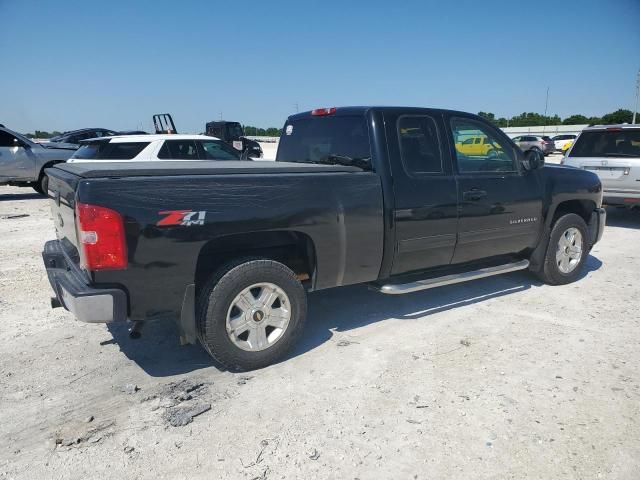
321 112
101 237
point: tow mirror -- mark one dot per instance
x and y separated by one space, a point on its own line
533 159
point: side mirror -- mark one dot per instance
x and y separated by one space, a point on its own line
254 152
20 143
533 159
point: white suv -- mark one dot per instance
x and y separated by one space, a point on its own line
154 147
613 153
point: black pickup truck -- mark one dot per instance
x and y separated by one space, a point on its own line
404 199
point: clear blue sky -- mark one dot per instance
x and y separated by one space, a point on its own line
72 64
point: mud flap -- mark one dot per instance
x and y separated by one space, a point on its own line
536 260
187 325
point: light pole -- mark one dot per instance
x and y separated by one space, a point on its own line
637 95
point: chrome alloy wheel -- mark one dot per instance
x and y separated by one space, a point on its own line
258 317
569 251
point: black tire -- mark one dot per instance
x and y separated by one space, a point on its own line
44 184
550 271
216 298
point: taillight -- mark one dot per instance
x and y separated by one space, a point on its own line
101 236
321 112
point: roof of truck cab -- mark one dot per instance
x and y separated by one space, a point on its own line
363 109
189 167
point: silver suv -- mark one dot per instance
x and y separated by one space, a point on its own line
535 142
22 162
613 153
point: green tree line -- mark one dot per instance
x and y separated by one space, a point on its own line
261 132
42 134
531 119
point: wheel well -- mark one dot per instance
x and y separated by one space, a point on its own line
584 208
47 165
293 249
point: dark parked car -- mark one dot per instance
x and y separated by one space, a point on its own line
73 137
376 195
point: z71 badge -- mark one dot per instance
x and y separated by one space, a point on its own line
181 217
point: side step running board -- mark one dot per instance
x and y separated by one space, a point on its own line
399 289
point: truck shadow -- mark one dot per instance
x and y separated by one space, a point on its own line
159 354
348 308
7 197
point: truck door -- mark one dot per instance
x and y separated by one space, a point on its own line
500 204
17 161
425 212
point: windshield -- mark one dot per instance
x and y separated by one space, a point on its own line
105 150
328 139
607 143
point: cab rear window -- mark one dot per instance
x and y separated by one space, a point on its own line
607 143
105 150
317 139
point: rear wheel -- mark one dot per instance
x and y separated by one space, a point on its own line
567 251
251 313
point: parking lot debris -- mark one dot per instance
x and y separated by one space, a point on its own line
181 416
244 379
12 216
314 455
345 343
465 342
129 388
128 449
89 419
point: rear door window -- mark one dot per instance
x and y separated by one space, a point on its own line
179 150
419 145
105 150
318 139
607 143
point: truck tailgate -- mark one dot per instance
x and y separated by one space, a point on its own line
62 190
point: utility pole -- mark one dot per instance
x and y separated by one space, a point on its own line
546 107
297 107
637 95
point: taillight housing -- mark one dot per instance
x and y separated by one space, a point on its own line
101 236
323 112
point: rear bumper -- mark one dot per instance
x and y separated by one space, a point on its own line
596 224
88 304
621 197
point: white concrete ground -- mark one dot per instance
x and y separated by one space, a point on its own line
500 378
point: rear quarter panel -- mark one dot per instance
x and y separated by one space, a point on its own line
342 213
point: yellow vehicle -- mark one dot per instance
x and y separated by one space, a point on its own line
476 146
567 146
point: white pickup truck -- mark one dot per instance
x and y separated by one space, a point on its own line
22 162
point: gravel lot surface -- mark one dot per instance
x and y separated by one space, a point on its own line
500 378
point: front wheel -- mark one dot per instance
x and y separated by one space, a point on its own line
42 185
251 313
567 251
